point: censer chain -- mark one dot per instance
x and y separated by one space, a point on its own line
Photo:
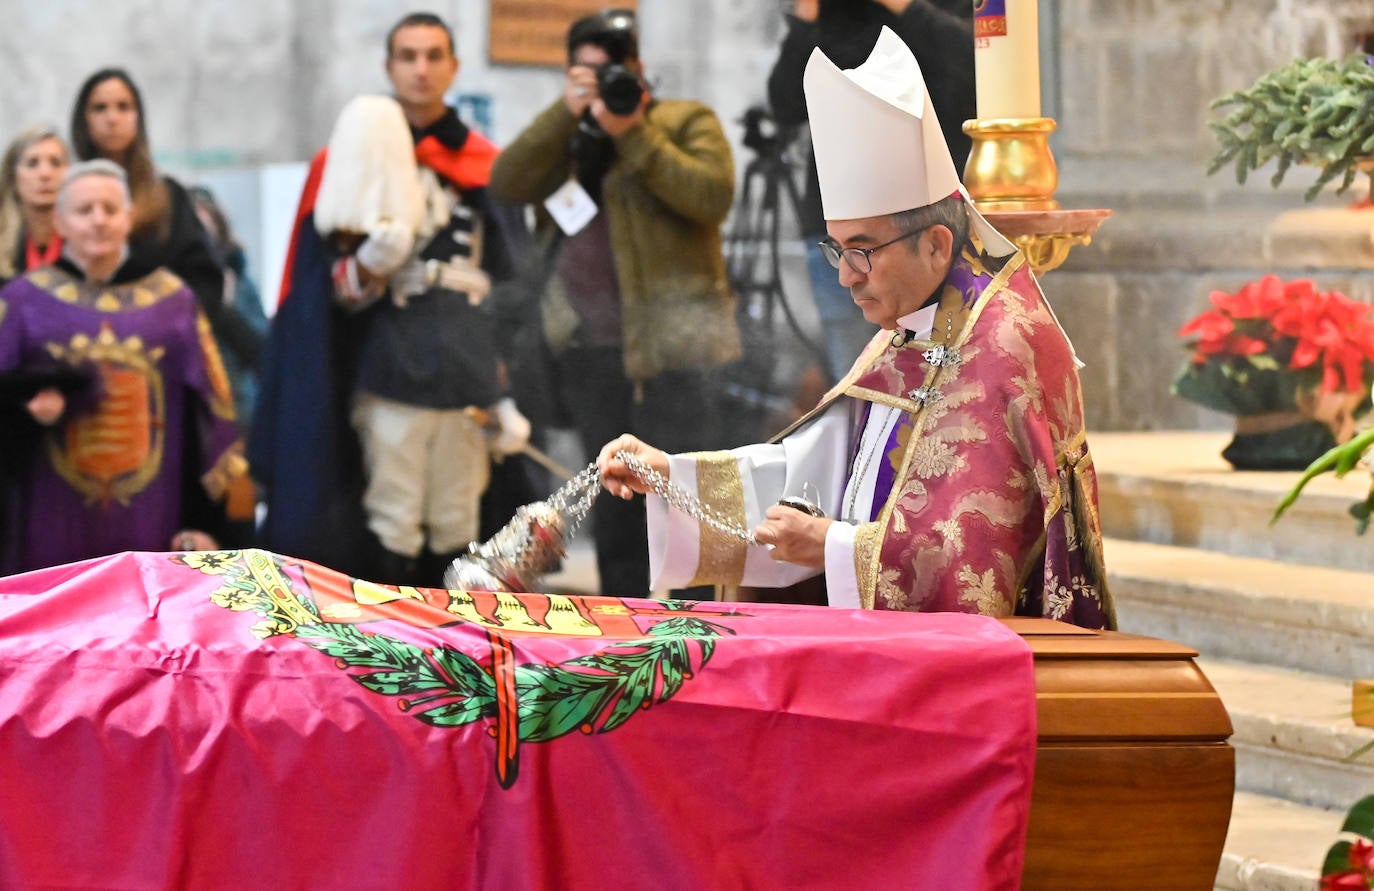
576 496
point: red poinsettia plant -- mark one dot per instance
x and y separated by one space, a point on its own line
1256 350
1349 864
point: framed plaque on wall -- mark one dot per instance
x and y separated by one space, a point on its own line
534 32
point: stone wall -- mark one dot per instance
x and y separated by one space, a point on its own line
1131 88
228 83
1134 77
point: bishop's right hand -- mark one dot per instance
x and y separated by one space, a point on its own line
616 475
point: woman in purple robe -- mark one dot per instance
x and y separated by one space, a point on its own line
139 459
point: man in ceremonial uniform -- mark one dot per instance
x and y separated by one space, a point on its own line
396 246
948 470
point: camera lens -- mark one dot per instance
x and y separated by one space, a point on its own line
620 89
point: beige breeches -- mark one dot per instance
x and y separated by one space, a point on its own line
426 471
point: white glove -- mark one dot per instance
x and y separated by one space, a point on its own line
513 430
387 248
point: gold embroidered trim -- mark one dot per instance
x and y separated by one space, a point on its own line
999 281
221 397
867 543
1065 461
720 558
138 294
1085 515
881 398
870 567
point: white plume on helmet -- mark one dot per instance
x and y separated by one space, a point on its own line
370 176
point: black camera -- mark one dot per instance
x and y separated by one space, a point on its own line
620 89
763 134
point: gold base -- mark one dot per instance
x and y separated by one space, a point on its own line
1047 236
1010 166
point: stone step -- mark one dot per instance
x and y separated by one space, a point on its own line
1244 608
1174 488
1294 737
1275 845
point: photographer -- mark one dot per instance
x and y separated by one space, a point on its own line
630 192
940 36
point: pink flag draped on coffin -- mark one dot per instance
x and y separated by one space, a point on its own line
237 719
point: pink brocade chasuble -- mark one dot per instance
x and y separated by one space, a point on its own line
238 719
993 500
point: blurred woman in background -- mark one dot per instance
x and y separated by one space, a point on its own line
30 173
108 121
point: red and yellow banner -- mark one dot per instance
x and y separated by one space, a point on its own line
238 719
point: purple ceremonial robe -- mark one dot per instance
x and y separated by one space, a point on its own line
109 476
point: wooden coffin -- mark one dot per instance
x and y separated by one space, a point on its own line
1134 775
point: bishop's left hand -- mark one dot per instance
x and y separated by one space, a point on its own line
795 537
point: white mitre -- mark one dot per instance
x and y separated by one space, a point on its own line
879 147
370 175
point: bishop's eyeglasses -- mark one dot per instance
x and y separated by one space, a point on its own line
859 259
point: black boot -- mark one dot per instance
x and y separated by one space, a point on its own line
390 568
433 566
397 569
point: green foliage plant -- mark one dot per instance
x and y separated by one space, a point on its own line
1316 112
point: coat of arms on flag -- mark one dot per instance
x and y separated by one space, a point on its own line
445 686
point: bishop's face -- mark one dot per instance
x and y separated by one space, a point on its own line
902 276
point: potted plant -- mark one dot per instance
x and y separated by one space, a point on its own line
1317 112
1292 363
1349 863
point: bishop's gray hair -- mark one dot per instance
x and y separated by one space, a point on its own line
948 212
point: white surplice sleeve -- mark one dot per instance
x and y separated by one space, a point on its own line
812 462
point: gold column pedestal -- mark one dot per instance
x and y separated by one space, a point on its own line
1011 176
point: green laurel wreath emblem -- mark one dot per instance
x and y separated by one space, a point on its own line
595 693
445 687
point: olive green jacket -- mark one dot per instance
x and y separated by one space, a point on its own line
665 198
